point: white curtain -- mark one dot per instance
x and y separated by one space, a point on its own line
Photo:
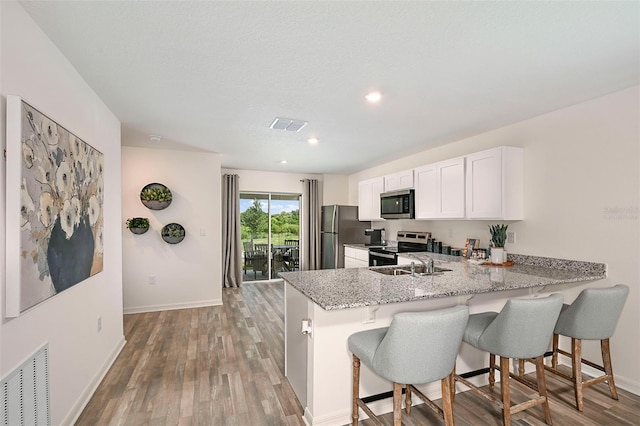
231 236
310 214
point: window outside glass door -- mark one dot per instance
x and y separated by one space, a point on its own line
270 234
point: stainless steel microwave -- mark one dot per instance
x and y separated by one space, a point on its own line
397 204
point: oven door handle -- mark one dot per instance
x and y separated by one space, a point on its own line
386 256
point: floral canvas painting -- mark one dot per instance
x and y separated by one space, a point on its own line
61 219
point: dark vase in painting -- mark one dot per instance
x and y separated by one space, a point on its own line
70 259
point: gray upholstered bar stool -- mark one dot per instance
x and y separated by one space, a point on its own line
522 329
418 347
592 316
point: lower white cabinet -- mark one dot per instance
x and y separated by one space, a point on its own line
356 257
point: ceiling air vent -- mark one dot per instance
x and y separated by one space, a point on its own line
287 124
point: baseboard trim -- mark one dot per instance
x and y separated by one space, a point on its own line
172 306
86 395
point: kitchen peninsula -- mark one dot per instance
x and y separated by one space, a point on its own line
332 304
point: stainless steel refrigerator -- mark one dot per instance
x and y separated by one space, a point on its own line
340 226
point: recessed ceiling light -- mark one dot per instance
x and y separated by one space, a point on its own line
374 96
313 141
155 138
283 161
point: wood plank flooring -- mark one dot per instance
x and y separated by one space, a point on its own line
224 365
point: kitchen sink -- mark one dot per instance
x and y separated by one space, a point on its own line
406 270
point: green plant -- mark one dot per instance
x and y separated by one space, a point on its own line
137 222
157 193
498 234
173 230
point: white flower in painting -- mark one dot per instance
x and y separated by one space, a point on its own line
68 218
77 208
48 210
27 153
45 171
49 131
94 210
27 206
64 180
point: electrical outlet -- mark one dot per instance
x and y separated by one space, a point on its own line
99 324
152 280
511 237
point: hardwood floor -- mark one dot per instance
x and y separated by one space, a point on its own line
224 365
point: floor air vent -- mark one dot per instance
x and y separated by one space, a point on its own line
24 397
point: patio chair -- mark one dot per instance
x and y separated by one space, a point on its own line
248 252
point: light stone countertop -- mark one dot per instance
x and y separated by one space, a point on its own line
334 289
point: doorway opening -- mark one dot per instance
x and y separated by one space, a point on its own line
270 225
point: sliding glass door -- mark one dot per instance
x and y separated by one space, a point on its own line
270 234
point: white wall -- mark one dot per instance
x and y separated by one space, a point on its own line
258 181
187 274
581 164
33 68
336 190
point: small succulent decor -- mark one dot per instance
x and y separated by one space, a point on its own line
138 225
138 222
157 193
173 233
498 235
173 230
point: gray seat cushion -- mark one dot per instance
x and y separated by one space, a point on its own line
418 347
594 314
522 329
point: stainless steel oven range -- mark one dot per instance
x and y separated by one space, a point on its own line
407 242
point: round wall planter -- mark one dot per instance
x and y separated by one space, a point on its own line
156 196
138 225
173 233
138 231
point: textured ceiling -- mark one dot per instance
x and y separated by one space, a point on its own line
212 76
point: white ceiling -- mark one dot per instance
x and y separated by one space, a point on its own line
213 75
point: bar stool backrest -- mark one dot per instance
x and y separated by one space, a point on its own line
523 328
594 314
421 347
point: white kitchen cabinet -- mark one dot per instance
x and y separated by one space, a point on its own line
356 257
398 181
440 190
369 198
495 184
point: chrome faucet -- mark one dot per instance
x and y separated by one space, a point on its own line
428 266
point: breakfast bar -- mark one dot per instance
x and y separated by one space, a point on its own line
324 307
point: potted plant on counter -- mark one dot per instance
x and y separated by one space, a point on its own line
498 239
138 225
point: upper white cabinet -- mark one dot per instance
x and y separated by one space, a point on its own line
369 198
398 181
440 190
495 184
